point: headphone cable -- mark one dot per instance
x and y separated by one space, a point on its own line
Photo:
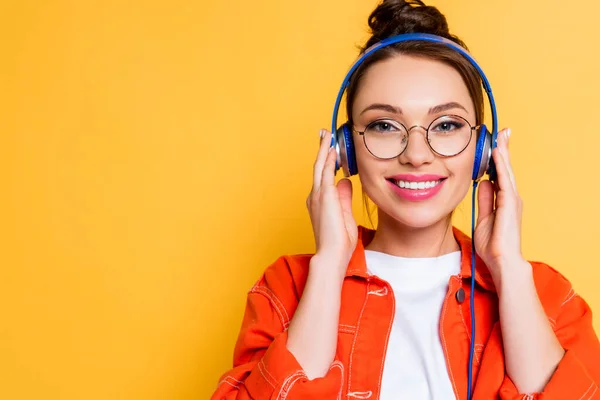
472 294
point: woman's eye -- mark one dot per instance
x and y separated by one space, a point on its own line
383 126
447 126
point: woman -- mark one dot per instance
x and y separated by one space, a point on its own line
382 314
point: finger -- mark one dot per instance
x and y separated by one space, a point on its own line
485 199
345 193
328 176
503 180
321 157
503 140
506 154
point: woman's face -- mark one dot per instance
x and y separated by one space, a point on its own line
413 91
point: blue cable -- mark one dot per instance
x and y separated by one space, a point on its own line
472 294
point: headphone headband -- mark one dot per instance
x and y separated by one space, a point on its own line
424 37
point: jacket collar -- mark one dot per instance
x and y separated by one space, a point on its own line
358 265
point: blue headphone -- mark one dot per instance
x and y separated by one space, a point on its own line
342 139
483 163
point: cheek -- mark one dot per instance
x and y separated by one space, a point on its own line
370 168
461 168
367 164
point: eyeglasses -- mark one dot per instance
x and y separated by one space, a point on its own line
448 135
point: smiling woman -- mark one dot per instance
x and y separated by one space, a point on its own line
381 313
429 96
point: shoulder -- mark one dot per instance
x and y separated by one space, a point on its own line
554 289
286 271
282 283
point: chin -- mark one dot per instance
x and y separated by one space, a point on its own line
418 217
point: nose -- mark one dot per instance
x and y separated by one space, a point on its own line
417 151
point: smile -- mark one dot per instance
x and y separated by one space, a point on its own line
418 185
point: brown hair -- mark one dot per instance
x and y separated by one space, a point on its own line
394 17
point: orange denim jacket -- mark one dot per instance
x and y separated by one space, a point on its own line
265 369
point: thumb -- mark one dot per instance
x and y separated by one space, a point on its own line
485 199
344 187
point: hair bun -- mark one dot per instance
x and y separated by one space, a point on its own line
395 17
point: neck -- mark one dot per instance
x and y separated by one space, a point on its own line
394 238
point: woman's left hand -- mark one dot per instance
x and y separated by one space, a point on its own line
498 229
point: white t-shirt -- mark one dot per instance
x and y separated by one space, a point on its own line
415 367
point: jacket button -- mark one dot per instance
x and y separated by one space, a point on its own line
460 295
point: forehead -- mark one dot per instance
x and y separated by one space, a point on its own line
413 84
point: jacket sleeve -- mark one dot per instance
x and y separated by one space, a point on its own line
577 375
263 368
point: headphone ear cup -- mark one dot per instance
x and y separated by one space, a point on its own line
492 165
483 153
346 158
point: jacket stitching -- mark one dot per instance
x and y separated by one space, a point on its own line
232 378
449 364
462 317
360 395
593 393
379 292
257 284
229 383
263 370
267 371
588 389
268 292
287 384
287 391
287 317
570 296
354 340
270 298
224 380
292 379
339 365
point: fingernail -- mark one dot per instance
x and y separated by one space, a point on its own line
322 133
507 133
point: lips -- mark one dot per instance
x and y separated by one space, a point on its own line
416 178
416 187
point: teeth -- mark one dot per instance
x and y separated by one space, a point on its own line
417 185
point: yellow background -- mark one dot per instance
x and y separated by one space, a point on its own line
156 156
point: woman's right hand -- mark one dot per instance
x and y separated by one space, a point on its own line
330 209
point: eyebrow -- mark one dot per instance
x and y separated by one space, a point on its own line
397 110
